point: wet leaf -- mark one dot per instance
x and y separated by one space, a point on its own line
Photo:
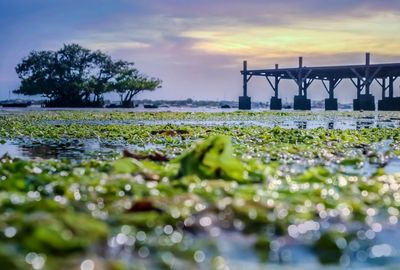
155 156
212 158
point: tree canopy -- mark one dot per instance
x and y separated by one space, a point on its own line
128 83
75 76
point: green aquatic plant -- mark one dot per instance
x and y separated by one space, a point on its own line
183 193
212 158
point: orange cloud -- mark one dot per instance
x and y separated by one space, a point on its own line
377 34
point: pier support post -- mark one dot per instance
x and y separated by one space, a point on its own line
356 102
365 101
389 103
368 80
331 103
276 102
383 88
300 101
391 87
245 101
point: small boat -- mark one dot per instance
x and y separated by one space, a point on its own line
150 106
225 106
15 104
118 106
113 106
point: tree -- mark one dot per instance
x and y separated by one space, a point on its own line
59 76
77 77
103 70
129 82
38 75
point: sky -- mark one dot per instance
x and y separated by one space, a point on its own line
197 47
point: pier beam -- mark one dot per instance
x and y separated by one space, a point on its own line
245 101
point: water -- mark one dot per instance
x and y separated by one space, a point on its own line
291 120
66 149
270 123
139 109
317 118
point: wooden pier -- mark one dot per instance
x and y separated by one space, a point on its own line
362 76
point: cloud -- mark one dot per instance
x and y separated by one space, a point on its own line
319 38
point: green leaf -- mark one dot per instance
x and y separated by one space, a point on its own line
213 158
126 165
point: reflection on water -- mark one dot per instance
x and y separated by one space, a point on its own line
72 149
69 149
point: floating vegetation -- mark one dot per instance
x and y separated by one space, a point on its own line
198 197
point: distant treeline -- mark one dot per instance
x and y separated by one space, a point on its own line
78 77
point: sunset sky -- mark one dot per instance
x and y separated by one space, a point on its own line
196 47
